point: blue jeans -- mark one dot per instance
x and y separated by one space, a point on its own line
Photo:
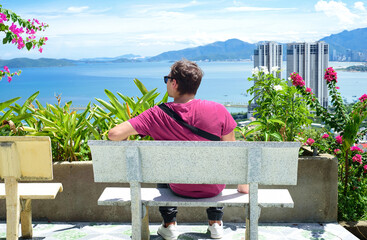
169 213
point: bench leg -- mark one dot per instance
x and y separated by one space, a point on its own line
136 211
252 224
12 208
253 213
145 233
26 218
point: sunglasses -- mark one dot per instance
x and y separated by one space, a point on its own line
166 79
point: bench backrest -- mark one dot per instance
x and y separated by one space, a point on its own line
26 158
268 163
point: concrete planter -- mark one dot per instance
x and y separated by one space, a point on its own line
359 229
315 197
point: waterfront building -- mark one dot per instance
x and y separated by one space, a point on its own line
269 55
310 60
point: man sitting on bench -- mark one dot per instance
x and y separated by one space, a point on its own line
210 119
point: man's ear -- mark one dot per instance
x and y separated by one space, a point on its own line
174 84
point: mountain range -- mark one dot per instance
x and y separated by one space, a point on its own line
232 49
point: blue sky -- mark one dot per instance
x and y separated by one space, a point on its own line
84 29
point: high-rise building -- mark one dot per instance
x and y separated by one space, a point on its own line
269 54
310 60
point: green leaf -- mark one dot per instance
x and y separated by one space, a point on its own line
128 100
119 108
6 104
143 101
141 86
29 45
6 115
28 101
94 131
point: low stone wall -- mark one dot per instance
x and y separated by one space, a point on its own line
315 198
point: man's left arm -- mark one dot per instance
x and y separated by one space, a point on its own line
121 132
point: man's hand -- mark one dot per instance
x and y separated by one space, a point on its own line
243 188
121 132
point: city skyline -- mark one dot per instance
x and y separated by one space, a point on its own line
83 29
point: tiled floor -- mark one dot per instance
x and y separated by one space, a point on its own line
232 231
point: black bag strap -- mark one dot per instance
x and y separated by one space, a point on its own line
193 129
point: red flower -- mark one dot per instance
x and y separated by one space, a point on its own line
297 80
362 98
339 139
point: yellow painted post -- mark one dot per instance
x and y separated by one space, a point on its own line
12 208
26 218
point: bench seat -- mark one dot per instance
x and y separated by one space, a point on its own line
35 190
227 198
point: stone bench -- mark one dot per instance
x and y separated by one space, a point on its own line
24 159
253 163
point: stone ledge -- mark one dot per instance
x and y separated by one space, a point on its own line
315 197
358 229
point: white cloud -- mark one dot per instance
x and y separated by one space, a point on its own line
254 9
359 6
336 9
77 9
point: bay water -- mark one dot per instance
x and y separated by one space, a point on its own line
223 82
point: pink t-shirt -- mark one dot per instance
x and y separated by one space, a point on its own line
206 115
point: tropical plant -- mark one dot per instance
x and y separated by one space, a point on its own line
6 125
281 111
67 129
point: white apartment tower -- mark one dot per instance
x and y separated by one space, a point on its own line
310 60
269 54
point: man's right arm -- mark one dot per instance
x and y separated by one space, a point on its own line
121 132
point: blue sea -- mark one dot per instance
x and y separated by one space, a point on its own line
223 82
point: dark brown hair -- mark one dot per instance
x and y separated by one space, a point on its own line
188 76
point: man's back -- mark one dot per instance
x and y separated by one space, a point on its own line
206 115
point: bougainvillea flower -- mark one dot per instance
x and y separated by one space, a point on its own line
339 139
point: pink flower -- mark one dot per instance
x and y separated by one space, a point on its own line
310 141
308 90
297 80
357 158
46 38
41 49
6 69
362 98
337 87
330 75
365 167
336 151
325 135
3 18
339 139
355 148
9 79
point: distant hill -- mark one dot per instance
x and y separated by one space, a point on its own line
108 59
51 62
42 62
232 49
354 40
